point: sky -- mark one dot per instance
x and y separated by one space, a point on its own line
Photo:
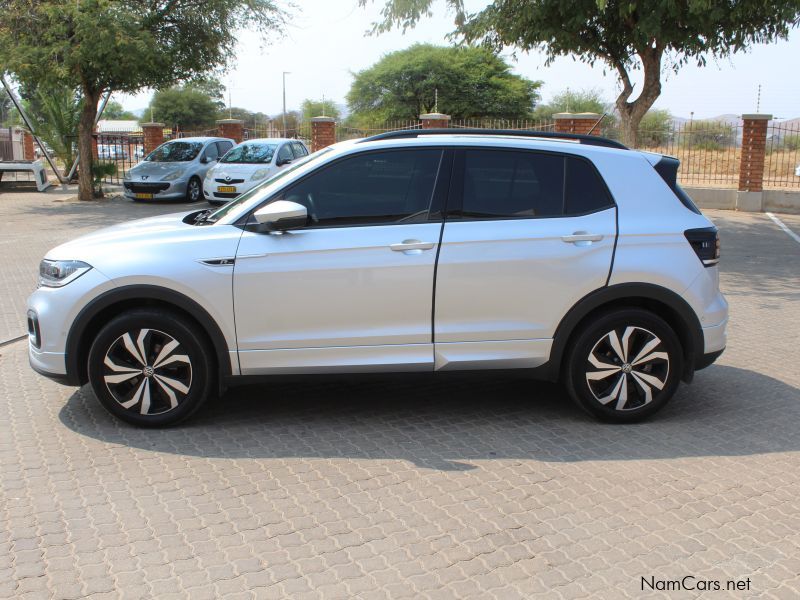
327 40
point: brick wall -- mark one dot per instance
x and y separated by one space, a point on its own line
153 136
577 123
231 128
435 121
323 132
754 146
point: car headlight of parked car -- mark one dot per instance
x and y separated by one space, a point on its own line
173 176
210 174
260 174
58 273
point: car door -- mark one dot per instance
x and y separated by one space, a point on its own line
354 289
527 235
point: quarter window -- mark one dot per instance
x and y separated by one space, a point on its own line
501 184
375 188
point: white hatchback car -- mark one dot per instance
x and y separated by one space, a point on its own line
248 164
572 257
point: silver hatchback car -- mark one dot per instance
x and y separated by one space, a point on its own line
176 169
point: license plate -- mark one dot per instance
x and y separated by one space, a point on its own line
144 196
226 189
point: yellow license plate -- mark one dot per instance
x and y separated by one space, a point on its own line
144 196
226 189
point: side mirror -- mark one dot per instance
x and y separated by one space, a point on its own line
283 161
204 160
281 215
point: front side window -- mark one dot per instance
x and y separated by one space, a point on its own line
224 147
299 150
211 152
175 152
285 154
250 154
501 184
375 188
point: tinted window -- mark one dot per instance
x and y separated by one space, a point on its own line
299 150
373 188
285 153
584 190
224 147
211 152
500 184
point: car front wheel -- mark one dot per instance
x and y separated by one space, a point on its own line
194 190
624 366
150 368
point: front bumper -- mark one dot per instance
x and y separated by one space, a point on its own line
174 190
50 364
212 194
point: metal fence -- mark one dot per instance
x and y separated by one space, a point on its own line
782 163
124 151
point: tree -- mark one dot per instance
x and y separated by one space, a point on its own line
655 128
625 35
114 110
108 45
251 119
586 101
469 82
55 114
318 108
182 106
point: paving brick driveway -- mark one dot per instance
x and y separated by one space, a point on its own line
407 487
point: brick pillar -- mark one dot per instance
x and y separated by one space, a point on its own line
231 128
27 146
754 147
576 123
95 152
323 132
153 136
435 121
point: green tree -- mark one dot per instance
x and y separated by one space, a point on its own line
114 110
250 118
183 107
318 108
586 101
109 45
55 114
469 82
655 128
709 135
625 35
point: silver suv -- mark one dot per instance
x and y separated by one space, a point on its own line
176 169
571 257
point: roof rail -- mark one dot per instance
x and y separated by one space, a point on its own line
590 140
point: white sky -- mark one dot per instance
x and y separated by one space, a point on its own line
326 41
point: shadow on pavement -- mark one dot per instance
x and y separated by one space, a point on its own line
448 422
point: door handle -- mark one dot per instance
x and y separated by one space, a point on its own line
411 246
582 236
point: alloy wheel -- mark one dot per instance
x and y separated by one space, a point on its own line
194 190
625 371
147 371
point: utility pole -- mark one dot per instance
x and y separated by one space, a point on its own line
285 73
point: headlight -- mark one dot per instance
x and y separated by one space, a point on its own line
58 273
209 173
260 174
127 176
173 176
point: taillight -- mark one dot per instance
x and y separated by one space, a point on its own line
705 242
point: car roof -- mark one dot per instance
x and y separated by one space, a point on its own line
271 140
201 139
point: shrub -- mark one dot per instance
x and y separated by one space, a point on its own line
709 135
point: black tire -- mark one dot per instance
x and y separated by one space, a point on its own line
194 190
144 393
624 388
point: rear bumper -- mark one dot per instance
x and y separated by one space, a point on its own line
715 338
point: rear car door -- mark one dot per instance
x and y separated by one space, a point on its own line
354 289
527 234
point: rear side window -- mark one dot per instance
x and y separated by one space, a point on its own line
501 184
584 191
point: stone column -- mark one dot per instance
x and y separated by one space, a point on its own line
153 136
323 132
27 146
231 128
577 123
435 121
751 166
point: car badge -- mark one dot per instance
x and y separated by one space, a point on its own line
227 177
145 177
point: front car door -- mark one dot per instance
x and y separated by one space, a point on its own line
354 289
527 235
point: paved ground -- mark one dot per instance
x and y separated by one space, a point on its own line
408 487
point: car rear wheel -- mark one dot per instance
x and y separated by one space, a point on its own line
194 190
151 368
624 366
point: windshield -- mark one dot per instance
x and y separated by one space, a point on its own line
224 210
175 152
250 154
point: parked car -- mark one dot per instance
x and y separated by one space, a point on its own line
175 170
247 165
111 152
571 257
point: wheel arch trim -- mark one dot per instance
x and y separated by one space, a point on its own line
75 338
691 335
